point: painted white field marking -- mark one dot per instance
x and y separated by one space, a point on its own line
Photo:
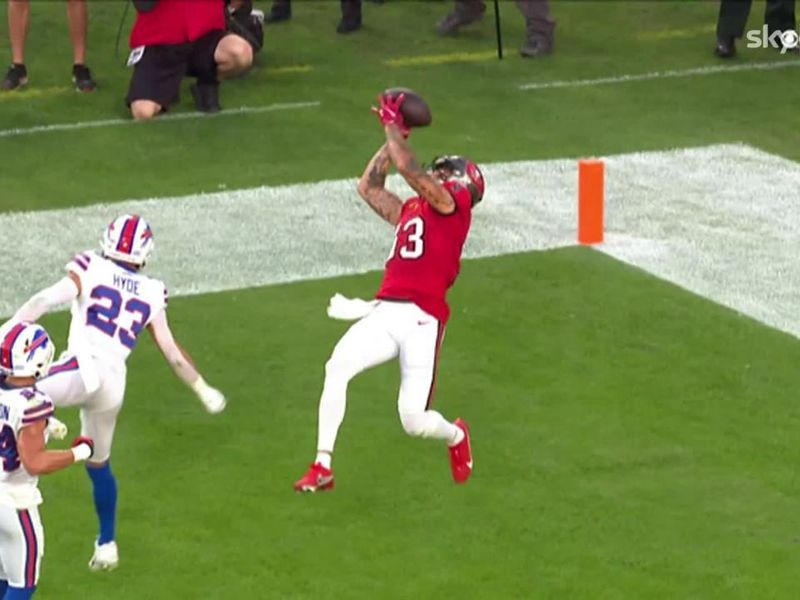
244 110
239 239
719 221
695 72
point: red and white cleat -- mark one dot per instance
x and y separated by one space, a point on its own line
317 478
461 455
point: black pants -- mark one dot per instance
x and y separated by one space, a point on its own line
779 16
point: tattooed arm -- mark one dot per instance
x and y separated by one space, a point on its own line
420 180
371 187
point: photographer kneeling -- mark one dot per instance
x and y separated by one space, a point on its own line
176 38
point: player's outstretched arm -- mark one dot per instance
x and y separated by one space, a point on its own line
39 461
49 298
420 180
182 364
371 187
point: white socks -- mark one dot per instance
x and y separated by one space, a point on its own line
459 437
324 459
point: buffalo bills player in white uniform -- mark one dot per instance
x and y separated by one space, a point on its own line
112 303
408 318
25 355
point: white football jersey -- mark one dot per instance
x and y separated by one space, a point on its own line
114 306
19 407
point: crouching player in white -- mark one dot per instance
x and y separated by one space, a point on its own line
112 302
408 318
25 355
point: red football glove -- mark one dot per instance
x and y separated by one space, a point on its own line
82 439
389 112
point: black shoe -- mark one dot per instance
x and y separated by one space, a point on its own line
16 77
278 14
82 78
206 97
725 48
460 16
534 47
348 25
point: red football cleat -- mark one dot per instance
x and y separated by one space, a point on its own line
318 478
461 455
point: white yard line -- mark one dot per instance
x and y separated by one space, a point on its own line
695 72
244 110
717 220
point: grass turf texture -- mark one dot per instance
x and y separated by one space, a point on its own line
631 440
634 441
594 39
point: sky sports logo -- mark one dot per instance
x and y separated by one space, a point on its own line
781 40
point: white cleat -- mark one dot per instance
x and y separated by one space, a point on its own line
105 557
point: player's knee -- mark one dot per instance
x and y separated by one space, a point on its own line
144 110
340 366
233 55
415 424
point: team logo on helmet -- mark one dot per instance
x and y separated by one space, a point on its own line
25 350
463 171
129 239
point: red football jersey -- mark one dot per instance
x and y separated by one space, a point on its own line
426 255
177 22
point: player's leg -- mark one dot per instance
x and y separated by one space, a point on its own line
21 551
366 344
19 17
7 527
98 421
156 80
78 22
419 356
64 383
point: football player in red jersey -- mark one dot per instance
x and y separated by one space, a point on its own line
408 317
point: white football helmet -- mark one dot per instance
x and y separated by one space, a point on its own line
128 239
25 350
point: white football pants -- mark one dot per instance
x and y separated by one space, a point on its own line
392 329
99 409
21 546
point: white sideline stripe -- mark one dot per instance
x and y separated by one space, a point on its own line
719 221
716 220
168 117
239 239
695 72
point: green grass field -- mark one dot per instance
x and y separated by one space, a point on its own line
632 440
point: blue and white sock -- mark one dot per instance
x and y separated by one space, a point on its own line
105 500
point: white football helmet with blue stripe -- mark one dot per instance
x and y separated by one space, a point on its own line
25 350
128 239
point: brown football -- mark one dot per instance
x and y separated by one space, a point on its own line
416 112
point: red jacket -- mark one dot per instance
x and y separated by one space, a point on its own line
177 22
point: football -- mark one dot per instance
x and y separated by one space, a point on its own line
416 112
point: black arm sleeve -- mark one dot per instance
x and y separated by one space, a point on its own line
144 5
